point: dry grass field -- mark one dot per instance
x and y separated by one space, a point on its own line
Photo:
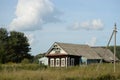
37 72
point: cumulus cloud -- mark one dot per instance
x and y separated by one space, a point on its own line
92 42
31 38
95 24
32 14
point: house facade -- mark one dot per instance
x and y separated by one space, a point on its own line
64 55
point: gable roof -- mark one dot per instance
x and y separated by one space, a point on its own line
106 54
78 50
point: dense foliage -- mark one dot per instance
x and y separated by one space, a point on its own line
14 46
117 50
37 57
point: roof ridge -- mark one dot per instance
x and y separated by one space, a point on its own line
71 43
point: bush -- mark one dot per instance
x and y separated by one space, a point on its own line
106 77
25 61
72 78
32 67
0 67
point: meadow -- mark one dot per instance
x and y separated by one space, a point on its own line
39 72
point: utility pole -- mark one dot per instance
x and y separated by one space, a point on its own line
113 34
115 31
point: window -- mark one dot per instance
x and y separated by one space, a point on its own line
68 61
62 62
52 62
57 62
57 50
72 61
84 60
55 46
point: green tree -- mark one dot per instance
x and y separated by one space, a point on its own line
18 47
14 47
3 44
117 50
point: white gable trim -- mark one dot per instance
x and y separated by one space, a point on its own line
57 47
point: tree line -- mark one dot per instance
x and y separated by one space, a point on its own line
14 46
117 51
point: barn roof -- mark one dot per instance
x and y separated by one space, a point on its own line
106 54
79 50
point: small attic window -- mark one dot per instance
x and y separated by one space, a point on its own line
55 46
57 50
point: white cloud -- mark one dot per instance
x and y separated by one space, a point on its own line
95 24
92 42
31 38
32 14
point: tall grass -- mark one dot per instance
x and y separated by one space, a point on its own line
37 72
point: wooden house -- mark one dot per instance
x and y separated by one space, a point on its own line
64 55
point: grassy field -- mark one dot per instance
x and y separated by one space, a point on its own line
37 72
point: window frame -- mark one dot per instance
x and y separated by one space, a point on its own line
57 62
72 61
52 62
62 62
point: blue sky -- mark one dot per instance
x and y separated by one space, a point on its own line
70 21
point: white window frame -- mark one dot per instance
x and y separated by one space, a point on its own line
52 62
62 62
57 62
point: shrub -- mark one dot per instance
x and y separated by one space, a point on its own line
106 77
25 61
72 78
0 67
